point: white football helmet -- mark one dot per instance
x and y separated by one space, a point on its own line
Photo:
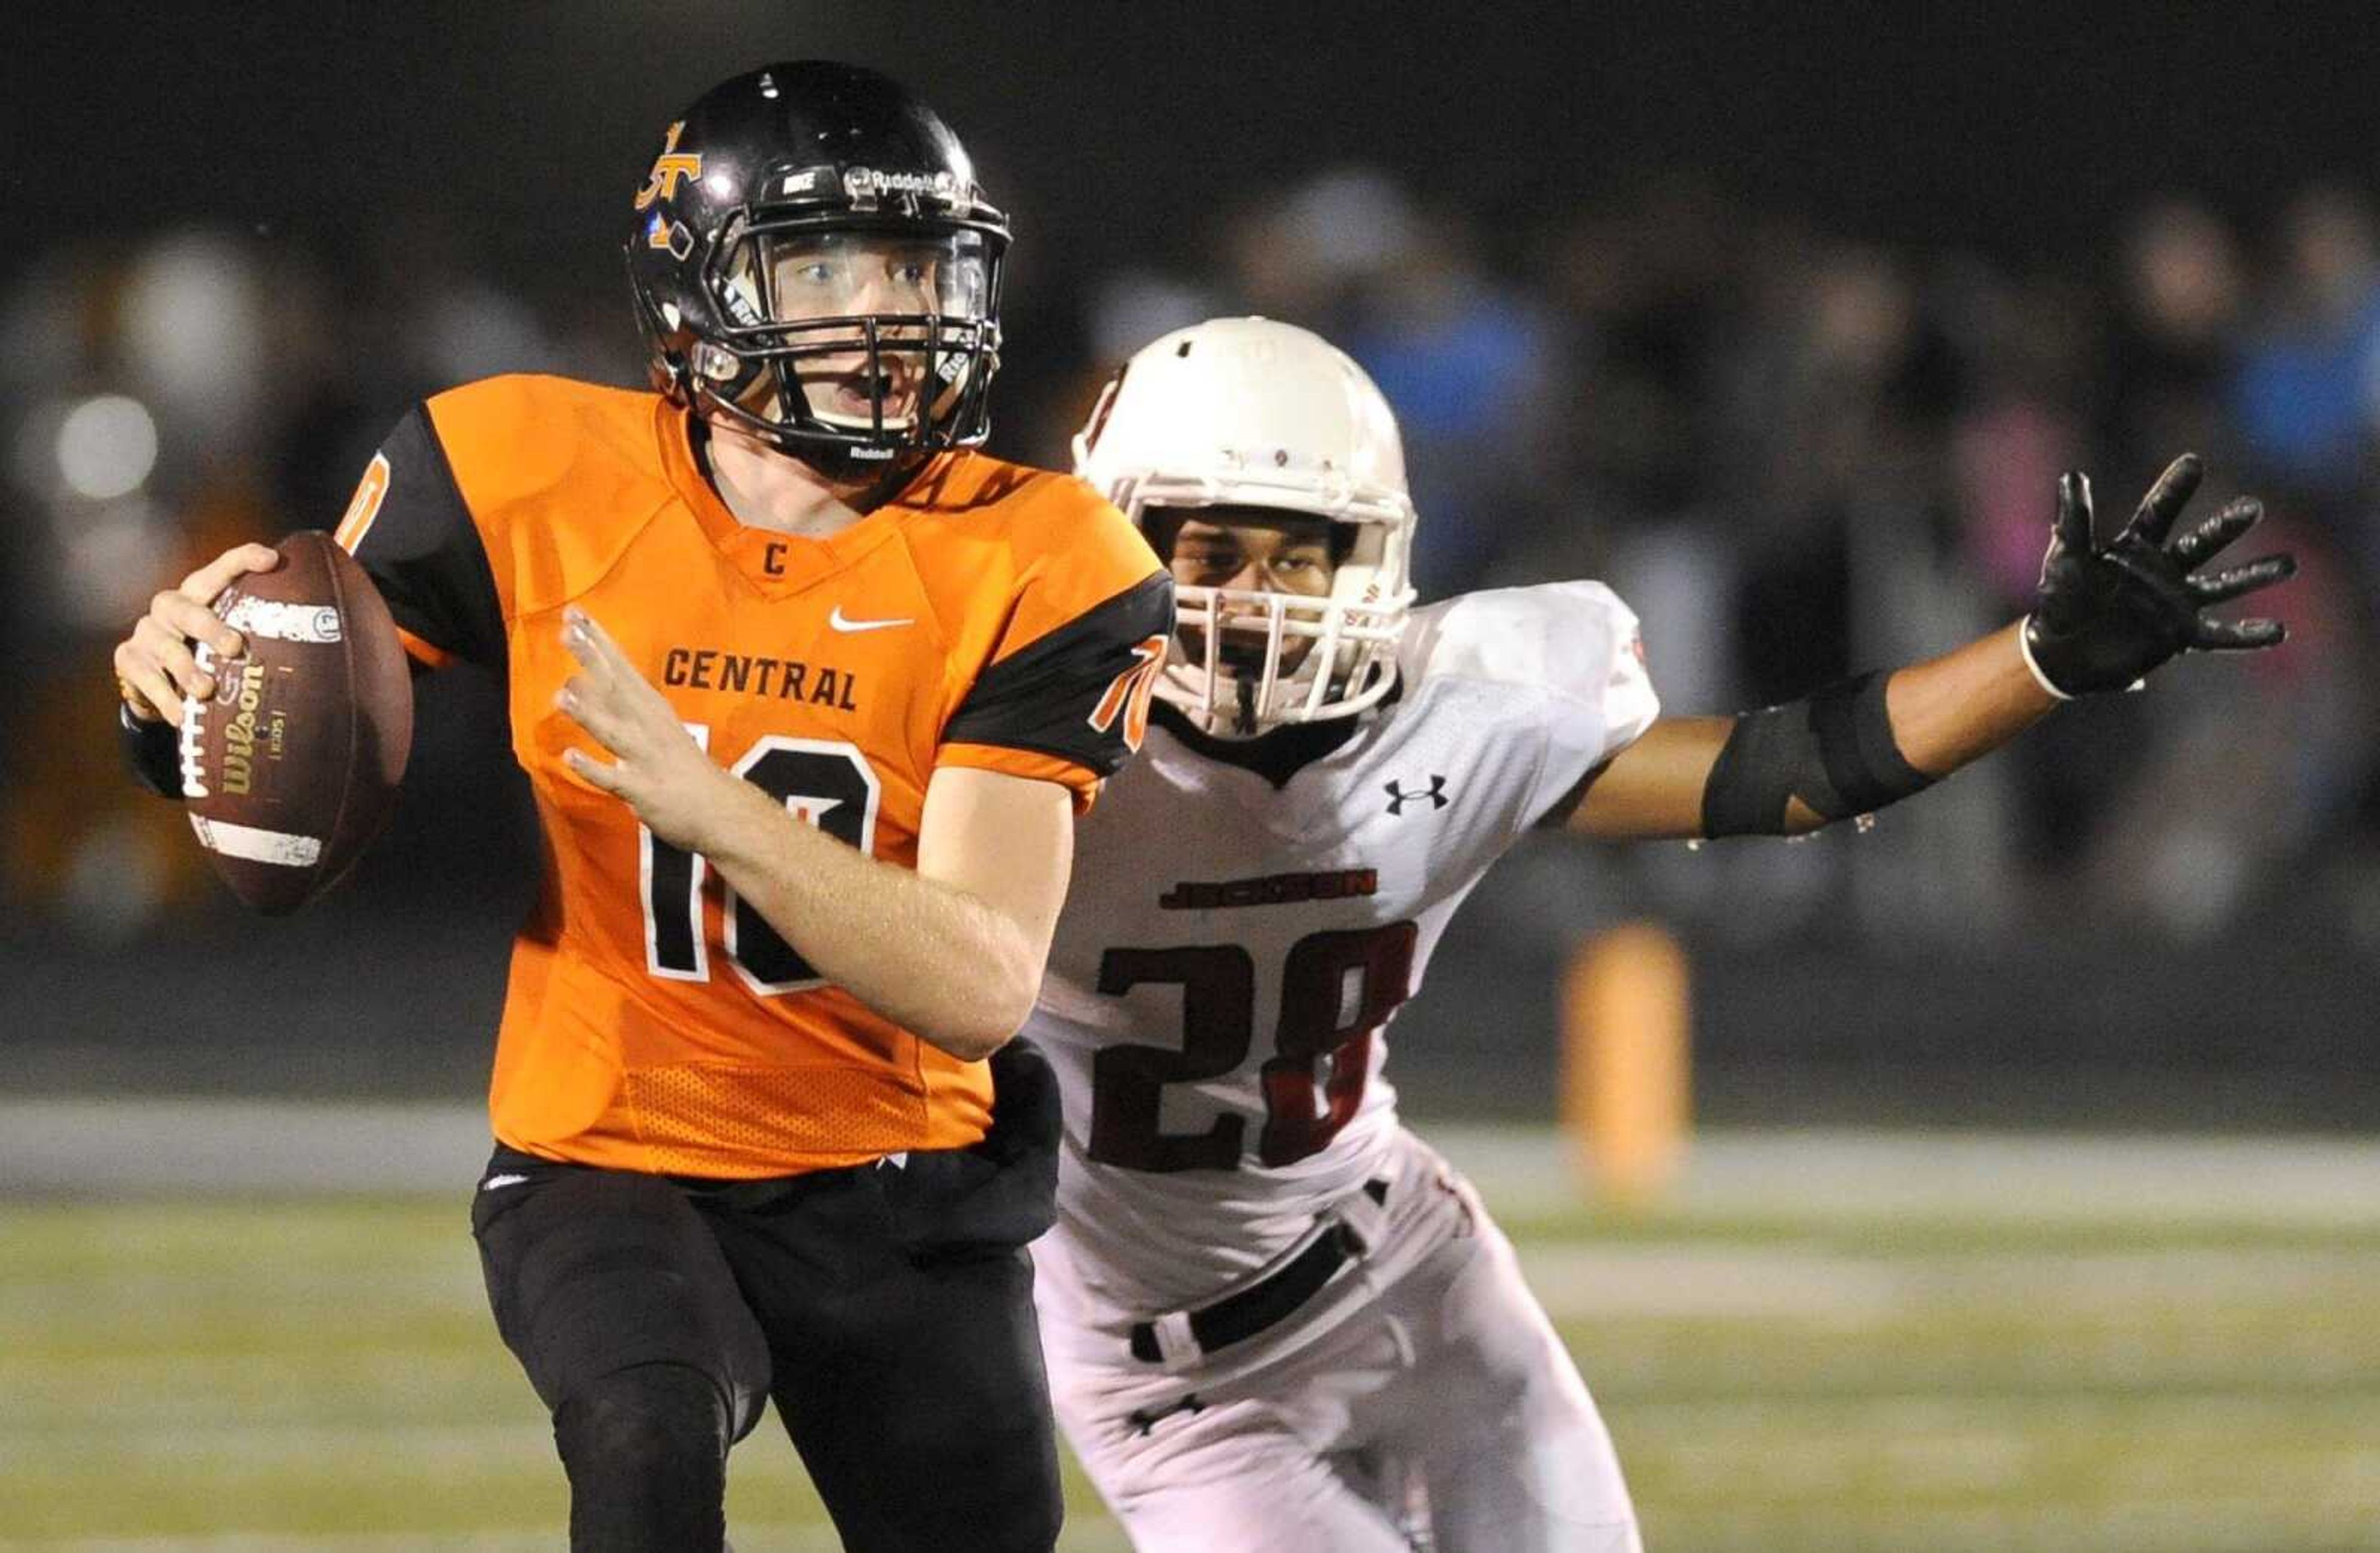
1248 412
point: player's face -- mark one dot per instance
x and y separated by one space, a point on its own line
821 276
837 275
1251 553
1278 555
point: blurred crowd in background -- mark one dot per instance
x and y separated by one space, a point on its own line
1795 454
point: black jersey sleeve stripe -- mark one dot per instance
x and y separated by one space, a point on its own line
1047 699
424 552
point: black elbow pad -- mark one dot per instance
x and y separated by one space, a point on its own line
1833 750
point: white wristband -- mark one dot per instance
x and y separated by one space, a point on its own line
2024 648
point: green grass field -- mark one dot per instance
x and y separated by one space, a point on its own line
1789 1361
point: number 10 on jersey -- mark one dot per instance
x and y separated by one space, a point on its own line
825 783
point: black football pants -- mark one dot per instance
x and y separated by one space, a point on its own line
887 1310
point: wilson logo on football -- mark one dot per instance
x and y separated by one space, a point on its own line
1128 694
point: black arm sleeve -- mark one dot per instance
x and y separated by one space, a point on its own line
1834 751
1073 693
423 551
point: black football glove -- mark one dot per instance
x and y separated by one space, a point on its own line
2103 618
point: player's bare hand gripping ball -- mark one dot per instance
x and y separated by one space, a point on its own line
156 666
658 769
2104 617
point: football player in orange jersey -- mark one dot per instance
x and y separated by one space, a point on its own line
808 694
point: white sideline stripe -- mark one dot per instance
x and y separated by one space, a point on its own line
2015 1178
92 1144
200 1148
290 850
282 620
790 1535
1585 1280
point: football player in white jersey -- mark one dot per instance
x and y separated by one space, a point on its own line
1274 1318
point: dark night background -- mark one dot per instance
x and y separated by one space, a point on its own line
1119 132
2159 912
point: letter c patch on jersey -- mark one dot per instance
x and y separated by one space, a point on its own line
1129 692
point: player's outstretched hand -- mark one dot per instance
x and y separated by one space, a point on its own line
2103 618
156 667
660 772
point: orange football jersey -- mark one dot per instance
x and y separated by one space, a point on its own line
992 617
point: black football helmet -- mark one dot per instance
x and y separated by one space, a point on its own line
814 264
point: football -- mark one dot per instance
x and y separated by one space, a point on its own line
291 767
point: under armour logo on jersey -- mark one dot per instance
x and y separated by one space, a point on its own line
1434 792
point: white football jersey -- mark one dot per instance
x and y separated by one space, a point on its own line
1231 950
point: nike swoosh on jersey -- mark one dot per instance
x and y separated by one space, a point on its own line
842 622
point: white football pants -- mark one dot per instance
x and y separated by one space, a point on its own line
1442 1414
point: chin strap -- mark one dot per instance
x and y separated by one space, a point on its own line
895 479
1244 691
891 479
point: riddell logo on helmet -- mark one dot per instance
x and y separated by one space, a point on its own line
861 182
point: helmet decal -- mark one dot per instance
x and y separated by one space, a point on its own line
669 168
670 236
